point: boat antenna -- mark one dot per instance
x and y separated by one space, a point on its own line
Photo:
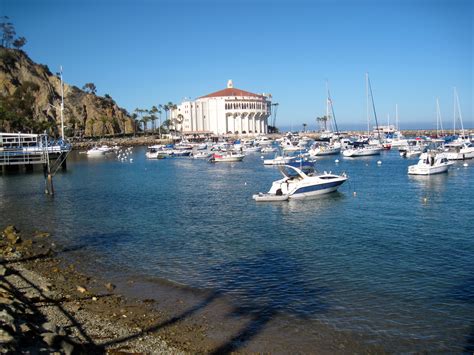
332 108
373 107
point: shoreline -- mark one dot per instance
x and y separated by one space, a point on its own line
98 317
152 139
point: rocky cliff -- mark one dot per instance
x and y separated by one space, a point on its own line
85 114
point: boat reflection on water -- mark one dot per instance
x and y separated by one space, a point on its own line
430 182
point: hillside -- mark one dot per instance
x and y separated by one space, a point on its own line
27 91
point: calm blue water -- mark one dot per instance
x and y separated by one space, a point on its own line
388 256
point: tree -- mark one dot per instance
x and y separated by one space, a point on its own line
153 111
322 121
92 123
90 88
73 122
8 32
103 120
134 122
304 127
18 110
19 42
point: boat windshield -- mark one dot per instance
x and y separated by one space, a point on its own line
291 171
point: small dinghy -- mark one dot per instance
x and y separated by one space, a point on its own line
268 197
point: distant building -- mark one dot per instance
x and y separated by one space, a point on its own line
228 111
385 129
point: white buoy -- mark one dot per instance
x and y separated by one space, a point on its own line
465 165
131 160
336 161
379 162
261 157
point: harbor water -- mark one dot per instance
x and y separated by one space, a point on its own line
388 257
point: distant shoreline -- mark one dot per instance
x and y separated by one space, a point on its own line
89 142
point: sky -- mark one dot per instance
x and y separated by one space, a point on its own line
145 53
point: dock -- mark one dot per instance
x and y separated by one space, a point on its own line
27 150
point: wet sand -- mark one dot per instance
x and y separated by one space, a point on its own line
138 314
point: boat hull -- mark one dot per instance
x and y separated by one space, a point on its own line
352 153
316 190
269 197
324 152
428 170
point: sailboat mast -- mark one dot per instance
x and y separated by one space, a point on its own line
454 113
459 111
327 107
332 108
367 103
373 107
396 117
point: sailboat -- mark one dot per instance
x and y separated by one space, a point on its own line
334 146
461 148
372 149
398 139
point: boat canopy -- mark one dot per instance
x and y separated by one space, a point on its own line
291 171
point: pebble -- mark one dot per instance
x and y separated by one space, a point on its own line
81 289
49 338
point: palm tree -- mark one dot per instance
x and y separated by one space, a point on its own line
145 121
304 127
322 121
153 117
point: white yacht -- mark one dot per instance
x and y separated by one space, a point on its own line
229 156
95 152
459 150
279 160
325 149
296 184
155 152
362 151
430 163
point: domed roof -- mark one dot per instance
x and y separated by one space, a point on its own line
231 91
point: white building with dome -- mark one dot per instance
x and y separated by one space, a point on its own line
228 111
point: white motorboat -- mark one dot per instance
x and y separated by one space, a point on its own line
268 149
324 149
296 184
362 151
411 151
459 150
155 152
279 160
430 163
201 155
288 146
229 156
95 152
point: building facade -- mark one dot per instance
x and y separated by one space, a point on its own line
228 111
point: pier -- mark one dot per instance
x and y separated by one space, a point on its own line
27 150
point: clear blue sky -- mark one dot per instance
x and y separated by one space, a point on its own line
146 52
